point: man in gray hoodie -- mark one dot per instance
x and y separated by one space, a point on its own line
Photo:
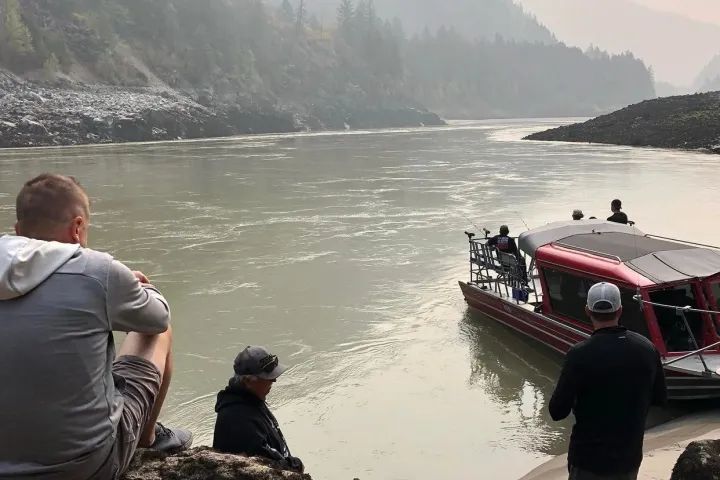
69 408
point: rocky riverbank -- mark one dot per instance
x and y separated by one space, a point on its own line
685 122
203 463
32 114
681 449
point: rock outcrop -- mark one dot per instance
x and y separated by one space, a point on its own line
684 122
202 463
699 461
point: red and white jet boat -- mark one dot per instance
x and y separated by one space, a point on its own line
670 290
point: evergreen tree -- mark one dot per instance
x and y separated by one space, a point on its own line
287 11
361 14
300 17
345 13
370 13
17 36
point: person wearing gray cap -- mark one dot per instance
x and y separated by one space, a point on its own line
609 382
244 422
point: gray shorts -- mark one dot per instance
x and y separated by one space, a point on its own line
138 381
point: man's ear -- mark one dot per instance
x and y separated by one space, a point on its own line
17 229
76 228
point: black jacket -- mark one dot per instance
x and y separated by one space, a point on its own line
618 217
504 244
245 424
609 381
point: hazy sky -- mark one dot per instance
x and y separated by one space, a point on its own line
702 10
677 45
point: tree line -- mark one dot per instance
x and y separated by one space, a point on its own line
248 51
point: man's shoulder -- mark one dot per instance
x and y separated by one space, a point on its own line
87 261
579 349
641 340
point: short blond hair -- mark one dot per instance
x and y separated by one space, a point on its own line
49 200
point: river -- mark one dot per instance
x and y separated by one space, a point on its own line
341 253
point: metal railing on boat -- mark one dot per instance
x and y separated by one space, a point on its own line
681 311
491 267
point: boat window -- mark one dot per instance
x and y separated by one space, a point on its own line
633 317
568 297
715 287
674 331
568 294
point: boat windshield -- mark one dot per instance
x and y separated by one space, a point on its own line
673 328
713 298
568 297
715 289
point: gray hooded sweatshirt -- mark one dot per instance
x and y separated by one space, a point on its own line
59 304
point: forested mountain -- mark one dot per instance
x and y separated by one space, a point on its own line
458 77
249 53
675 46
474 19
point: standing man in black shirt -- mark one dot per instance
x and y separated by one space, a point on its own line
609 382
618 216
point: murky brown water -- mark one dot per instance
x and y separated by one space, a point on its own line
341 253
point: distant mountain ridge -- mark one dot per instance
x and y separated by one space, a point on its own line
474 19
709 78
254 68
675 46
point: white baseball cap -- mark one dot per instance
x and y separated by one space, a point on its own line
604 298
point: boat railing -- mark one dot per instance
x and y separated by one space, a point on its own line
502 271
682 310
690 354
660 237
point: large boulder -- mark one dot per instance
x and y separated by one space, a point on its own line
203 463
699 461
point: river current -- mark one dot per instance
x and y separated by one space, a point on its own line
341 253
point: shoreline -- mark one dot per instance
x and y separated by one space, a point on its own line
683 123
38 115
663 445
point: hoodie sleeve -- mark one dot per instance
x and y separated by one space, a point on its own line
132 306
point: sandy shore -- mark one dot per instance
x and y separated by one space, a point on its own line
663 445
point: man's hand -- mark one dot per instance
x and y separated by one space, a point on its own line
296 464
141 277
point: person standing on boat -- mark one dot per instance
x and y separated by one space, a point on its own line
618 216
609 382
504 242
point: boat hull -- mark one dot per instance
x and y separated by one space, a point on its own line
560 338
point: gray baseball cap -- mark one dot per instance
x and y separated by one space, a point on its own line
259 362
604 298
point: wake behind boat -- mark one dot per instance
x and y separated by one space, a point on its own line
670 290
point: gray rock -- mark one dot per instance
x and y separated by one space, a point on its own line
699 461
203 463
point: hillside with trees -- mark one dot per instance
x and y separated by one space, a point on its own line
250 60
473 19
